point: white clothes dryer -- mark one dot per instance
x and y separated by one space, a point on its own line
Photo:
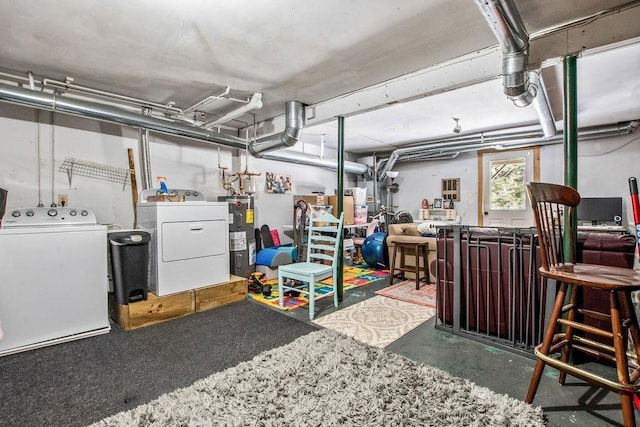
189 242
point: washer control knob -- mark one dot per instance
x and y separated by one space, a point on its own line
52 212
15 214
195 193
73 212
30 212
84 212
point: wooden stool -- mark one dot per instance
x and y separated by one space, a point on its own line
548 200
420 248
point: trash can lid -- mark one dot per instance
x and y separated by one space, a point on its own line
134 237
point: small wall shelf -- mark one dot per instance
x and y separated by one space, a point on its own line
95 170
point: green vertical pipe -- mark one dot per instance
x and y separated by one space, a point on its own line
570 142
340 192
570 122
570 153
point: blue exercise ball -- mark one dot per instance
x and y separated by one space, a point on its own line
373 250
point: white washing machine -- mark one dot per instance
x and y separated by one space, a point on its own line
189 241
53 277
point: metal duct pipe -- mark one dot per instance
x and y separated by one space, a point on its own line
432 156
145 155
435 150
309 160
478 142
541 104
506 23
295 118
295 122
69 85
389 163
108 113
585 134
483 141
94 110
452 142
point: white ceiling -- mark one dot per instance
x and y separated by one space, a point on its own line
319 52
608 92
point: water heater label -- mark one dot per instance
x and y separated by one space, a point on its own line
238 241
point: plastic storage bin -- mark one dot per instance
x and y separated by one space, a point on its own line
129 265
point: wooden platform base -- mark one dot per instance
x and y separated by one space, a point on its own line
158 309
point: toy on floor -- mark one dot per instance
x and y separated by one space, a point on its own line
373 250
270 253
292 293
257 285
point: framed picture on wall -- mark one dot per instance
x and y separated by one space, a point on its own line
437 203
278 183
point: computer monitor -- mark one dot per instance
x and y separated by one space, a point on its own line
600 210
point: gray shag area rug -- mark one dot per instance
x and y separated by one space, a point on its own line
325 378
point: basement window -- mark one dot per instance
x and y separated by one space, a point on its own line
507 184
451 189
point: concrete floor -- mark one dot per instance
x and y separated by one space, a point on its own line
575 403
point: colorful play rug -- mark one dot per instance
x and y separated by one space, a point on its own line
377 321
353 277
406 291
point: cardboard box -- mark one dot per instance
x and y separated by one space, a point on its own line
347 207
166 198
311 199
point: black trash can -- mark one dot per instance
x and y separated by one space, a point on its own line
129 265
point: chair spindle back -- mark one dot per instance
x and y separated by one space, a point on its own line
552 204
325 234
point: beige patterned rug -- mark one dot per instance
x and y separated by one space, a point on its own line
377 321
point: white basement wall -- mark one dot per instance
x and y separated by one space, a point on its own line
186 163
604 168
